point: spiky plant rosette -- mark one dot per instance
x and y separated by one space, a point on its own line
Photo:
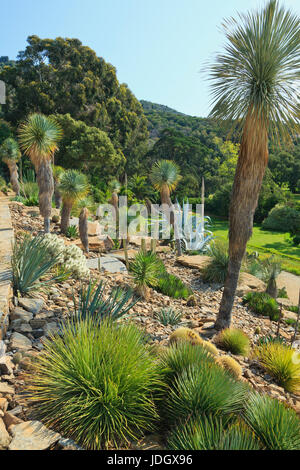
165 173
234 340
209 433
73 186
146 269
276 425
205 389
9 151
282 362
95 384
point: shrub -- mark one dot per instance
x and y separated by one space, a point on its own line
32 266
145 269
282 218
216 270
205 389
72 232
71 256
234 340
168 316
277 426
180 357
172 286
282 363
262 304
96 384
209 433
186 335
231 365
92 304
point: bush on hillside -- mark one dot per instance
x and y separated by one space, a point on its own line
282 218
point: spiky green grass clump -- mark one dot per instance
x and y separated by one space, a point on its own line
168 316
282 362
205 389
277 426
262 304
209 433
171 285
234 340
216 270
96 384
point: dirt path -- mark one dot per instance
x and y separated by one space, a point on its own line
292 284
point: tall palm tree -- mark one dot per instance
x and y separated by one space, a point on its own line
57 172
39 137
10 154
165 175
255 85
73 186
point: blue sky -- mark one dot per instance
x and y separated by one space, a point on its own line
157 46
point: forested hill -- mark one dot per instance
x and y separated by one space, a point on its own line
162 117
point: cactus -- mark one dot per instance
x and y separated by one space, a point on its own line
231 365
210 348
55 219
185 334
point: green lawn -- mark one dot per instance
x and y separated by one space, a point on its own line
266 243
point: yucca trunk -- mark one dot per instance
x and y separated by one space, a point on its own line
83 229
166 199
65 216
272 288
14 175
57 197
46 188
248 179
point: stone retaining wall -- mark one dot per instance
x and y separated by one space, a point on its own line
6 243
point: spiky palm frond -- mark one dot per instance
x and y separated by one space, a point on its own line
57 172
39 136
165 173
258 75
9 151
73 186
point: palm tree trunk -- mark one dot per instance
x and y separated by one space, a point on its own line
14 176
249 174
46 188
83 229
65 217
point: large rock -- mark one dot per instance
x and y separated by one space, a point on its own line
19 316
107 263
6 389
18 341
6 365
4 436
32 435
248 283
32 305
97 244
196 262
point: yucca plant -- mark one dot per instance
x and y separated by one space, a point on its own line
168 316
32 266
282 362
72 232
165 175
255 85
209 433
217 268
10 154
57 172
268 270
92 302
276 425
73 186
146 269
234 340
95 384
205 389
39 136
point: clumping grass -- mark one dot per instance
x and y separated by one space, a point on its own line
96 384
179 357
216 271
168 316
72 232
234 340
205 389
276 425
262 304
171 285
209 433
282 362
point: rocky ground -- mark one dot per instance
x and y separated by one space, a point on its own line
32 320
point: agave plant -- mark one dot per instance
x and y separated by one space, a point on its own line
92 303
32 266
